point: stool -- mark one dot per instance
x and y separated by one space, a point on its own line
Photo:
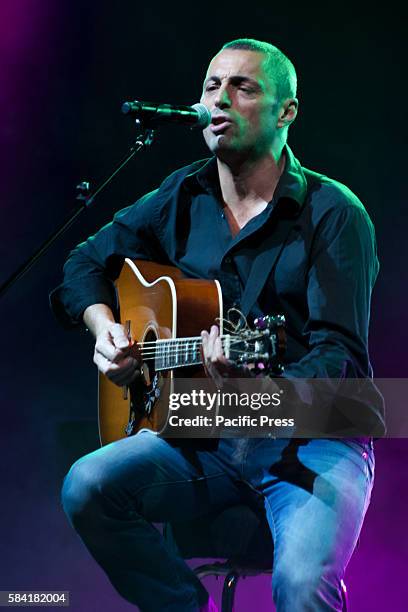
233 573
215 536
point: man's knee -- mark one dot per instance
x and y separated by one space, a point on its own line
100 481
81 492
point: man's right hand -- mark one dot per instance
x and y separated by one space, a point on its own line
113 354
112 357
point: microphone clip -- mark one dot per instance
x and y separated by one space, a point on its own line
146 136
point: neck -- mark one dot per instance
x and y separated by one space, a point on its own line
250 181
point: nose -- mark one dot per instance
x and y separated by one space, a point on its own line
222 99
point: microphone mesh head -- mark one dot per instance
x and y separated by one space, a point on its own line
204 115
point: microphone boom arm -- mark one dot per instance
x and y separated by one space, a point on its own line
85 200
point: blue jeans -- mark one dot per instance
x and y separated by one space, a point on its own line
316 493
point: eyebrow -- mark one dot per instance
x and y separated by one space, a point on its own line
235 80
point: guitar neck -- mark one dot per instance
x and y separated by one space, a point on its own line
176 352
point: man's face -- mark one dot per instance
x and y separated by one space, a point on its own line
242 100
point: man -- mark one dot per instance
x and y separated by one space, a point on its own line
250 209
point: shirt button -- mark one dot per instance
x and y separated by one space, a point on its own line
227 260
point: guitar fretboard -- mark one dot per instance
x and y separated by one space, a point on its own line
177 353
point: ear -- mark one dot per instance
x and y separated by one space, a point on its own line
288 112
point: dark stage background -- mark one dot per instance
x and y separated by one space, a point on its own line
65 69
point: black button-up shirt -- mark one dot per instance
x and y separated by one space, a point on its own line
310 255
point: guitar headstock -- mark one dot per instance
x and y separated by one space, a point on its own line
262 347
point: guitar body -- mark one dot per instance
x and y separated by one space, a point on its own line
156 302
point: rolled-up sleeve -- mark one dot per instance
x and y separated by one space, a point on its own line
93 266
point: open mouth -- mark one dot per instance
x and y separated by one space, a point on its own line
220 123
219 128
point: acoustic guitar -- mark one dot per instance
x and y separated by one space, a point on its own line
164 313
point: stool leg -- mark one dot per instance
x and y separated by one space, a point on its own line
343 595
228 592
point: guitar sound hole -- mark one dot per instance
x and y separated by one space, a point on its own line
146 390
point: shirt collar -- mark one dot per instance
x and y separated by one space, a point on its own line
291 188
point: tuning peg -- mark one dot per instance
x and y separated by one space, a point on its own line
267 321
261 323
280 320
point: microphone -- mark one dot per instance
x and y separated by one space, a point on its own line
151 113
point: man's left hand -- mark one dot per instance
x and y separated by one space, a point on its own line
216 365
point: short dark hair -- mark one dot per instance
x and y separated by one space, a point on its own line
279 67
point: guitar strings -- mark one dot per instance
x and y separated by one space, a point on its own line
181 364
153 355
190 339
180 345
175 354
180 348
179 341
180 354
174 348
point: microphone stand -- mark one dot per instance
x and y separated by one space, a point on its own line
85 200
